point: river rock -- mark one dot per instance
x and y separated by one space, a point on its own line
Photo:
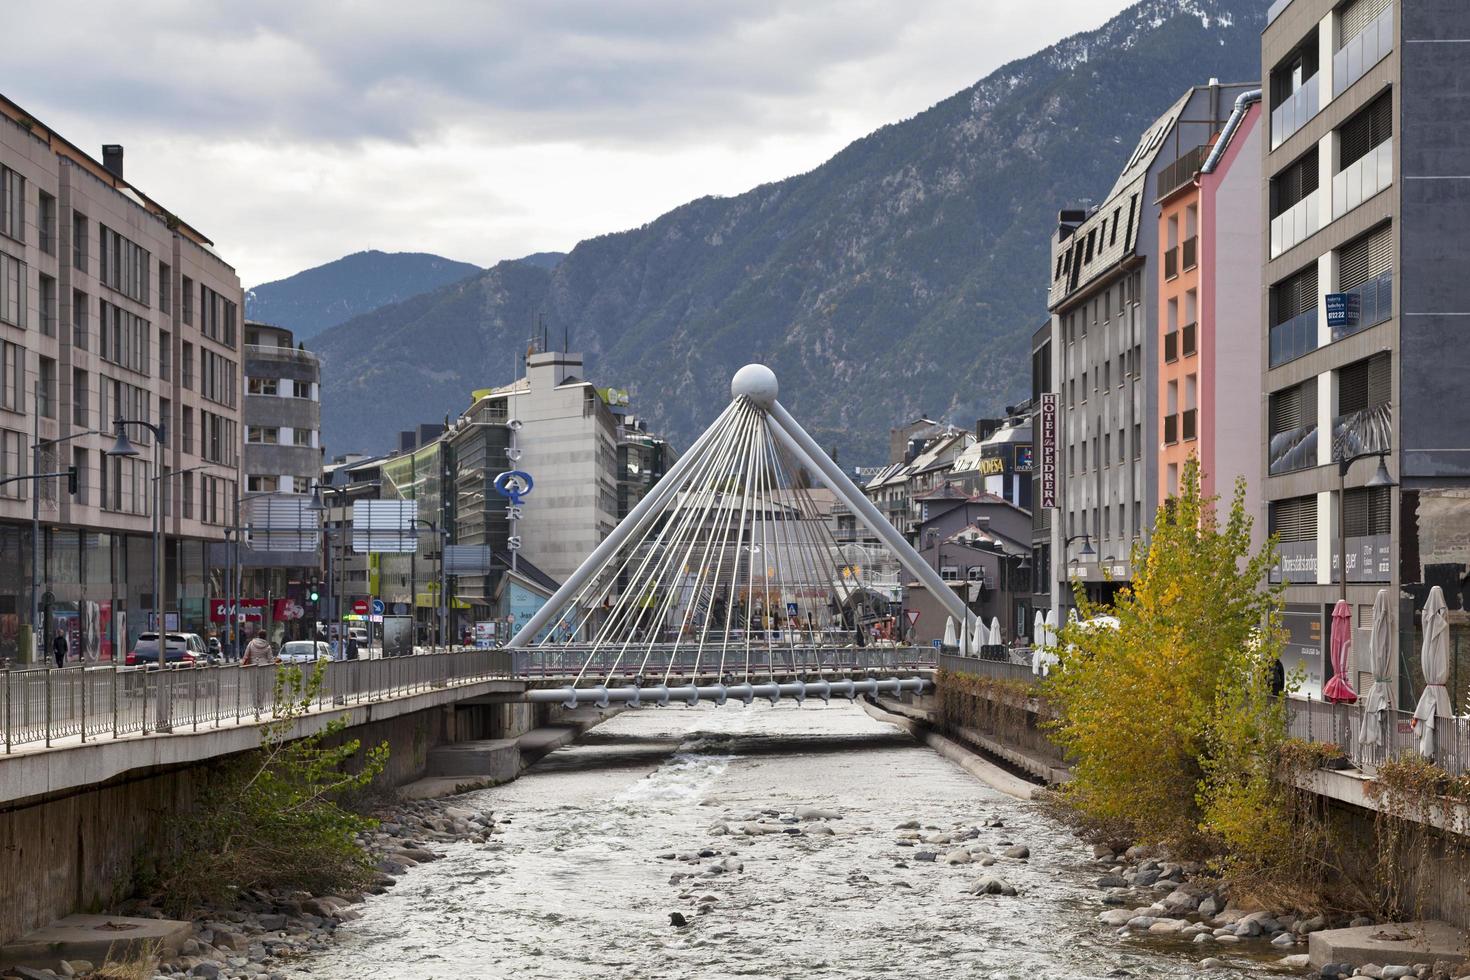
957 857
1395 972
987 861
1018 851
989 885
1315 924
1144 878
1227 939
1211 963
1141 922
821 830
925 856
816 813
1112 881
1208 906
1283 940
1179 901
1203 937
1296 961
908 825
1115 917
1167 926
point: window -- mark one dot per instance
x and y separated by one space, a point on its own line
80 399
12 204
79 241
48 306
165 287
165 354
302 437
218 437
186 364
1138 440
216 317
186 428
124 339
12 377
118 399
260 484
166 418
261 386
12 463
1372 125
1293 428
188 494
1367 510
124 485
46 387
301 389
79 303
12 291
1294 519
1295 183
262 435
217 378
186 290
1294 315
123 265
1356 16
46 222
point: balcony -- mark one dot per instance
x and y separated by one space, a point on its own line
1373 305
1292 449
1188 252
1171 429
1362 178
1368 430
1190 424
1292 338
1294 113
1362 52
1171 262
1295 224
1181 171
1171 346
1189 339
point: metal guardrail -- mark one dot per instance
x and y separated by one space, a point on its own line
661 658
108 702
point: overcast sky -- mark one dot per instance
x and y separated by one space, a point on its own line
293 132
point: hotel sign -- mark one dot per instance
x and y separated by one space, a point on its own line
1048 422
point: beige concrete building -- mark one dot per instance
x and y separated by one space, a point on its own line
110 306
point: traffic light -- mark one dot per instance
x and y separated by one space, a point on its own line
315 593
73 481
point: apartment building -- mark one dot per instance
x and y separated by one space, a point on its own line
1366 205
1209 374
1104 301
110 306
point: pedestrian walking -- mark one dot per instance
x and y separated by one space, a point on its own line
60 648
352 649
259 651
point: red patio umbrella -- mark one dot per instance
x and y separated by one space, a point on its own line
1337 688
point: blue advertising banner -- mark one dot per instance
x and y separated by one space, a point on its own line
1343 309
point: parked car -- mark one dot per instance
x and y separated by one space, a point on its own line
304 652
180 650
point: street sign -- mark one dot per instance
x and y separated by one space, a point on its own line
378 607
936 644
791 609
360 607
913 615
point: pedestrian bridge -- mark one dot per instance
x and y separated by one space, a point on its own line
726 583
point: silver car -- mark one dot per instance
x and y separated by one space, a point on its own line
304 652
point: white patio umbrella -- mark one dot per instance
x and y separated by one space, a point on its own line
949 632
1049 657
1379 698
1038 641
1434 658
979 636
997 638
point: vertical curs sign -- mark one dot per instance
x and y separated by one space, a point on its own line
1049 449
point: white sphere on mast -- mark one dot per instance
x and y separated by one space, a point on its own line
756 382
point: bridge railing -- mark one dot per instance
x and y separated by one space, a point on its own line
108 702
641 659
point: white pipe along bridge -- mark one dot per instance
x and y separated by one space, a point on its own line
725 583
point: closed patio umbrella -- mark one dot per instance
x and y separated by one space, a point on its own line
1049 656
997 638
949 632
1038 641
1434 658
1337 687
1379 697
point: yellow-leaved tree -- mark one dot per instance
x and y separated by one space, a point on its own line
1168 719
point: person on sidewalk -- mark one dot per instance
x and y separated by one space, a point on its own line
259 651
60 648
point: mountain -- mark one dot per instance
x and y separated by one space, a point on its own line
903 276
311 301
543 260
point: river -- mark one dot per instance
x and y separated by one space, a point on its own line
575 887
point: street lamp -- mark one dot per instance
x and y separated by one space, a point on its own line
1380 478
123 447
339 587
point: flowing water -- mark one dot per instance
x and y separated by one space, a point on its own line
575 887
